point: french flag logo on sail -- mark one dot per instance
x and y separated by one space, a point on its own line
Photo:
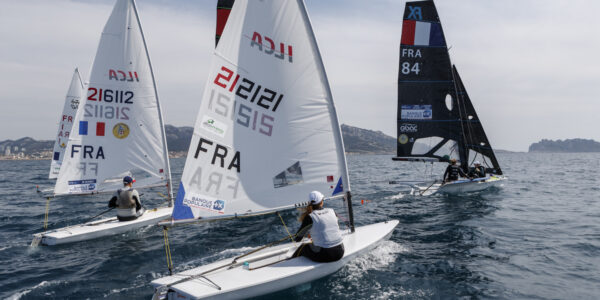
83 128
417 33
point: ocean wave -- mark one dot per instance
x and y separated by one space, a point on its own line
42 284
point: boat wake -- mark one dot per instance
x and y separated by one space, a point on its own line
350 278
378 259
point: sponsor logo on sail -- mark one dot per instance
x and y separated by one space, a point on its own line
75 103
211 125
201 202
403 139
416 112
406 127
121 130
219 205
415 13
81 186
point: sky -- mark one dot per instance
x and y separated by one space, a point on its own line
531 67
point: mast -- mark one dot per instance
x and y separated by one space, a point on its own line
335 123
160 115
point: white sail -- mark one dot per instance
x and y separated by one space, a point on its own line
66 123
119 130
267 132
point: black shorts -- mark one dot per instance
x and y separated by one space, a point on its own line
319 254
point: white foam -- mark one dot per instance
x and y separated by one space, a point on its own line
379 258
395 197
20 294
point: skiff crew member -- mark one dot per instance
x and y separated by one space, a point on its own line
127 201
453 171
322 224
478 171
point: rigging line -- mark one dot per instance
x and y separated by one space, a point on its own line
168 250
46 214
286 229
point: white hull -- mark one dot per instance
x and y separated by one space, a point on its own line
100 228
462 186
279 272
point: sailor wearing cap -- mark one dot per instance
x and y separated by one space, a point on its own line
322 224
477 171
127 201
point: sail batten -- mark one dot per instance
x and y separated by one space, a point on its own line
119 129
267 132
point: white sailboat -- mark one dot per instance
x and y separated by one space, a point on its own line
265 136
117 132
65 124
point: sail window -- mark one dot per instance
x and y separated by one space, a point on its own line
449 149
291 175
470 117
449 103
424 145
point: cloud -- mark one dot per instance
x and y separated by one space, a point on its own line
530 67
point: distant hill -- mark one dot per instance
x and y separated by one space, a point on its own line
356 140
178 138
569 145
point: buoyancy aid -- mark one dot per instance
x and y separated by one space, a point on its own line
453 172
126 203
325 231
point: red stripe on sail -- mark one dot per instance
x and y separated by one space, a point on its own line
408 32
222 16
100 129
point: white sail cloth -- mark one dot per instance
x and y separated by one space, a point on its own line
267 132
65 124
119 129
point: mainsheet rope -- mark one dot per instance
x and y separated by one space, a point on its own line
46 214
168 249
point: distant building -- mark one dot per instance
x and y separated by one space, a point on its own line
7 151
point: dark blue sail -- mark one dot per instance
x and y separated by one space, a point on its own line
436 120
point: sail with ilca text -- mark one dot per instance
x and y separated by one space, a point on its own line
119 130
267 131
65 123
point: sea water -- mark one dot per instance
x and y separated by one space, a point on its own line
537 237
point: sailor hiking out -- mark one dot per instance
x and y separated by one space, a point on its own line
127 201
322 224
